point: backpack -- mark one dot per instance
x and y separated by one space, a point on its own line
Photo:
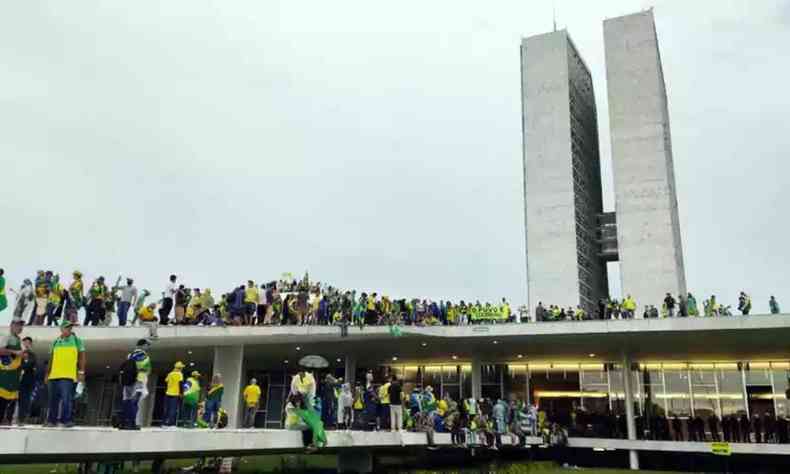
128 373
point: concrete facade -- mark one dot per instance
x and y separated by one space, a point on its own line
229 362
562 187
648 229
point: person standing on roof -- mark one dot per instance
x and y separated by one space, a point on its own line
76 298
744 303
3 298
691 302
127 300
773 305
669 301
251 297
167 301
629 307
135 374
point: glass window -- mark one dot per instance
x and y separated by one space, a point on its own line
730 391
490 374
705 401
411 375
515 382
594 376
617 391
595 391
491 391
453 390
758 374
432 376
651 384
781 386
450 374
274 407
466 381
677 393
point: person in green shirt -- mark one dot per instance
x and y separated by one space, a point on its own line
137 389
213 400
3 299
191 400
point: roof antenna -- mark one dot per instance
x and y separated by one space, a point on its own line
554 14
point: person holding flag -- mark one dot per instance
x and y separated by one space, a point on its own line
3 299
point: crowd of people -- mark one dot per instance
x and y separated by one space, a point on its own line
320 401
683 306
390 406
735 427
47 300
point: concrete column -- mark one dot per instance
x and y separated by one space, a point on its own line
145 412
229 361
351 370
355 460
633 455
477 378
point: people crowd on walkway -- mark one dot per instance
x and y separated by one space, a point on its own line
319 401
46 300
706 427
683 306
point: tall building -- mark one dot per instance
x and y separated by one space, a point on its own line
562 178
648 229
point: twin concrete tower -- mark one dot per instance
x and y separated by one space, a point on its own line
570 238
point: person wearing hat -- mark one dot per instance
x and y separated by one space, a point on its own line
75 298
10 369
191 400
173 392
66 368
137 389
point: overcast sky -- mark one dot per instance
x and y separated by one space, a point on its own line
377 144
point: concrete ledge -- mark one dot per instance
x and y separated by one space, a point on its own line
194 336
37 445
676 446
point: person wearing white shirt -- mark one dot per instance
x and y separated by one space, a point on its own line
167 301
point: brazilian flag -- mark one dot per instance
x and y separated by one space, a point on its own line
312 419
3 299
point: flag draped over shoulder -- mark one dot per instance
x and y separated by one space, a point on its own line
3 299
312 419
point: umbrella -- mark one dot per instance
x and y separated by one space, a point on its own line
313 362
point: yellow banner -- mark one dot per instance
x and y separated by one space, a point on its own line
720 449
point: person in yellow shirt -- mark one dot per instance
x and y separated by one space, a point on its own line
384 406
148 319
173 391
251 297
66 368
54 307
252 398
